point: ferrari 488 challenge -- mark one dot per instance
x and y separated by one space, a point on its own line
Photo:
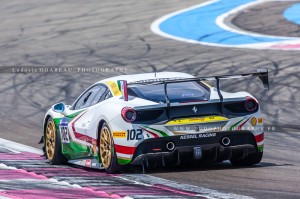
167 118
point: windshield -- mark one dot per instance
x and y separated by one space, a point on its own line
177 92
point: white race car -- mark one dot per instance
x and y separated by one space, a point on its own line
166 118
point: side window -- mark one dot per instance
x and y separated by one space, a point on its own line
90 97
82 100
99 95
107 95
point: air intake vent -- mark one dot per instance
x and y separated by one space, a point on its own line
143 116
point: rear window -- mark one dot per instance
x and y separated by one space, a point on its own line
177 92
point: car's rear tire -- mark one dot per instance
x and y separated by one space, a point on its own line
107 150
53 144
249 160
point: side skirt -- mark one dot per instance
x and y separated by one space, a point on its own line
88 162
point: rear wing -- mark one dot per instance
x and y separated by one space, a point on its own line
262 74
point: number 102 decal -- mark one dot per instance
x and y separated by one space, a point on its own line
135 134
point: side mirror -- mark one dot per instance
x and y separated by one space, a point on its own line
59 107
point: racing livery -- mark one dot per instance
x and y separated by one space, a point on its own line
165 118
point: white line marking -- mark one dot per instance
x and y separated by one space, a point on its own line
17 147
4 166
3 197
220 21
48 182
204 192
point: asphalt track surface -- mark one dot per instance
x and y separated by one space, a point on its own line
247 20
116 35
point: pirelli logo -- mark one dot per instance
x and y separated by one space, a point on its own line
119 135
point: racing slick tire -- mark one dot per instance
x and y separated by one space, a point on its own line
107 150
53 144
249 160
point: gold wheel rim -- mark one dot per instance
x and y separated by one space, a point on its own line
50 140
105 147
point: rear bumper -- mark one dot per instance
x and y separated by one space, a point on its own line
242 143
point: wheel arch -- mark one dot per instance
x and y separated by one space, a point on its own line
45 123
42 141
101 123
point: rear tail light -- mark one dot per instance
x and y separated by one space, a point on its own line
251 104
128 114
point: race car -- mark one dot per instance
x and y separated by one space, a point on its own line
162 118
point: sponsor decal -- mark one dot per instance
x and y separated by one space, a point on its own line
95 149
197 120
114 88
64 132
91 163
253 121
197 136
79 162
260 120
119 134
88 163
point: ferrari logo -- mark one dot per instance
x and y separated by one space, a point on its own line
195 109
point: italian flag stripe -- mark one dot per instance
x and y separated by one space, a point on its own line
156 136
232 127
260 148
259 138
123 160
125 149
159 131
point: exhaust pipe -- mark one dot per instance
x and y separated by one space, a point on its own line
170 146
225 141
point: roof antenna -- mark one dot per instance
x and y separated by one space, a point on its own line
154 72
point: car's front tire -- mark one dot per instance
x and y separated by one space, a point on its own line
249 160
53 144
107 151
